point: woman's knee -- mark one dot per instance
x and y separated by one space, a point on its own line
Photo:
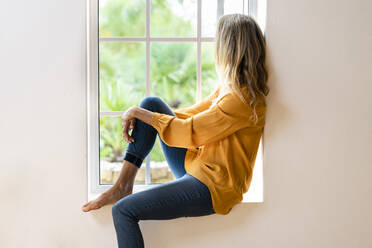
151 102
123 209
115 210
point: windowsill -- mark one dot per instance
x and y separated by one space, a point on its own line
139 187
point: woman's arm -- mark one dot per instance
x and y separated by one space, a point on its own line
227 116
143 114
146 115
135 112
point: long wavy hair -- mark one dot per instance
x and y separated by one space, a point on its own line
240 58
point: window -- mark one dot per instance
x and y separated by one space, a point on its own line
138 48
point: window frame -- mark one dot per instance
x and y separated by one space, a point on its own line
93 111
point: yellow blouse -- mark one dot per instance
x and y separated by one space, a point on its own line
221 142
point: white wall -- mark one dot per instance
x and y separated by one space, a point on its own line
317 141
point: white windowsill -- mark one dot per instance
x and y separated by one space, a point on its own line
140 187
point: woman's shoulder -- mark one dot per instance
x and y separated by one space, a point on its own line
227 98
236 98
260 99
231 102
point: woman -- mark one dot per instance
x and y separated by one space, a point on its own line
210 147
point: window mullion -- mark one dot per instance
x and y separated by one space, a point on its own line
148 90
155 39
252 8
220 8
198 53
111 113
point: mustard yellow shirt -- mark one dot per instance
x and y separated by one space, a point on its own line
221 142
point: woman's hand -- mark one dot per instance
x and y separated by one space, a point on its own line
128 121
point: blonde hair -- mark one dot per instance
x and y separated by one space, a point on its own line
240 59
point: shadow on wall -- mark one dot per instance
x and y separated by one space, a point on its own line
280 113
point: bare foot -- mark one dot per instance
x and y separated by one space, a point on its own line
109 197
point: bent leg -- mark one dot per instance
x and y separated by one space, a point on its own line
144 139
183 197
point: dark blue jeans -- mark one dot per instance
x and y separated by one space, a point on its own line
186 196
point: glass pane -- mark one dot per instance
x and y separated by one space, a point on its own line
173 18
122 17
209 74
122 75
112 148
173 72
160 171
213 9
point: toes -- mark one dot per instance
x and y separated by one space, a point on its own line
87 207
91 206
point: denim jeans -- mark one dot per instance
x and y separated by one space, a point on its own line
185 196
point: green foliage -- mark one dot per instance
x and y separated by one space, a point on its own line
122 18
173 72
111 144
166 23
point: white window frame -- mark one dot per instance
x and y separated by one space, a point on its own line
93 112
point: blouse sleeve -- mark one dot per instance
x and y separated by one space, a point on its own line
198 107
222 119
